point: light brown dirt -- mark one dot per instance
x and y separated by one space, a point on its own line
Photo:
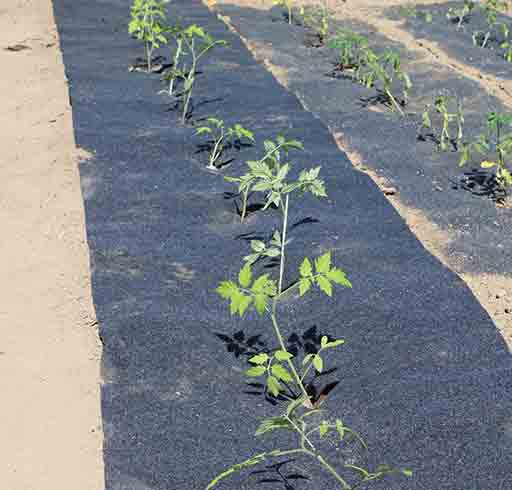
493 291
50 429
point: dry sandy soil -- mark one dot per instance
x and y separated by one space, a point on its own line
50 429
492 290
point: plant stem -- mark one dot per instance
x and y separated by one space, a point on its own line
332 471
148 55
486 38
244 205
283 347
216 153
283 244
175 65
394 102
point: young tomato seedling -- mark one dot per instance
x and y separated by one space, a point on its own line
266 174
350 47
223 138
170 75
288 5
491 9
387 70
316 18
461 15
148 24
198 43
496 140
441 107
279 369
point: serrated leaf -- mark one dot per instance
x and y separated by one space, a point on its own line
323 263
324 428
245 302
318 363
306 270
259 359
304 286
282 355
226 289
280 372
273 385
245 276
324 341
260 303
339 277
324 284
256 371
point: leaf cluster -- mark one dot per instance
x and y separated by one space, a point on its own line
148 22
443 105
497 141
386 69
350 47
223 137
316 18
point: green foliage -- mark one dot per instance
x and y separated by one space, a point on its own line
387 71
148 24
269 174
279 369
490 9
223 137
198 43
495 143
460 15
172 74
350 47
316 18
441 107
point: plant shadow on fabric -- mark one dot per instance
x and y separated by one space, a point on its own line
299 345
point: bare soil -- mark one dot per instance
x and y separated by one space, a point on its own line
51 435
494 291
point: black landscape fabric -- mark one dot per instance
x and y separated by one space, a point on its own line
424 375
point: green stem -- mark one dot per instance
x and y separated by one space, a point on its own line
244 205
216 153
283 243
282 345
332 471
148 55
394 102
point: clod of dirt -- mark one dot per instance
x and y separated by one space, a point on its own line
17 47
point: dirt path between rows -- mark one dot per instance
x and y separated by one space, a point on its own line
50 434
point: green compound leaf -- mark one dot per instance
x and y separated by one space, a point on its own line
260 303
318 363
281 373
273 385
256 371
324 284
323 263
226 289
237 468
304 286
338 277
245 276
282 355
306 270
259 359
